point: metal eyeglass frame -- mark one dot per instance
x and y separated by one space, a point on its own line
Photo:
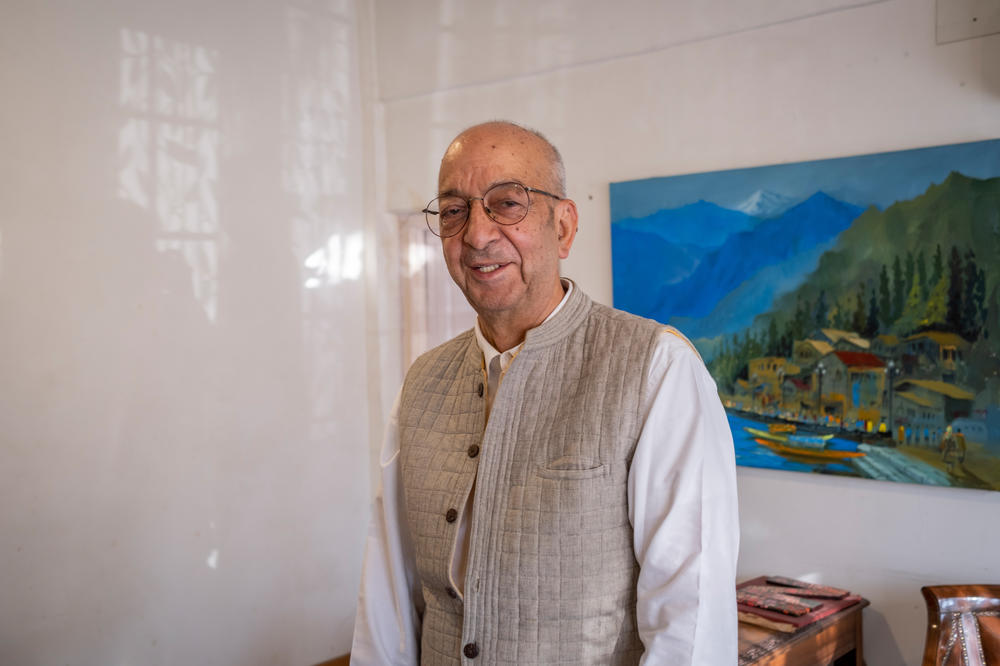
468 212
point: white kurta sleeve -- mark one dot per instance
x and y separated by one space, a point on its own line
390 606
683 508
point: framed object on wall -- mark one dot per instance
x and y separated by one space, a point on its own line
848 309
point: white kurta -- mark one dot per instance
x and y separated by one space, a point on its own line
682 506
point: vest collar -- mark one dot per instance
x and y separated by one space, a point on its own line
563 323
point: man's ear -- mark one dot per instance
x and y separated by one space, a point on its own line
566 224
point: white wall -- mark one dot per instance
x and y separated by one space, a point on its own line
640 89
183 350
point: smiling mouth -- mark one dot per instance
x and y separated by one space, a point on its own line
487 269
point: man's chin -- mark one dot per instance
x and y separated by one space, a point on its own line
484 305
485 299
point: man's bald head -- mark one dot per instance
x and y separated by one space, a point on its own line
552 169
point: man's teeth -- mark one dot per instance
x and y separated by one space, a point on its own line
488 269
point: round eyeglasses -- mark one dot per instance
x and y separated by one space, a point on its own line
505 203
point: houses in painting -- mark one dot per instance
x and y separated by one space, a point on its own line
907 388
854 384
766 378
934 353
927 406
808 352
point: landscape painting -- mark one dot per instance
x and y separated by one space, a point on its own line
848 309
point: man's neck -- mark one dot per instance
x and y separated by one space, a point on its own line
503 337
504 331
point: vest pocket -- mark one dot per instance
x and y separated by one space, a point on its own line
568 468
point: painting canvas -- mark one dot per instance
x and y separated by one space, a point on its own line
848 309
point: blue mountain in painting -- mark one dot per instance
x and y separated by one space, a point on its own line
739 258
651 260
738 309
666 247
701 224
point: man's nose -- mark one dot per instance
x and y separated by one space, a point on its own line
480 230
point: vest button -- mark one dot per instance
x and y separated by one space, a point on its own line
480 389
451 592
473 451
451 515
471 650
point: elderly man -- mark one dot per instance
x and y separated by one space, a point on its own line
558 484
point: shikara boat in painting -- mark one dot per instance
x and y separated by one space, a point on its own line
801 447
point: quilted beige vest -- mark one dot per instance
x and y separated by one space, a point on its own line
551 572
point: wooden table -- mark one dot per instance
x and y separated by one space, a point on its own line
836 638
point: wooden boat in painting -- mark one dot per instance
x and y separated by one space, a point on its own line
808 455
793 438
802 448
